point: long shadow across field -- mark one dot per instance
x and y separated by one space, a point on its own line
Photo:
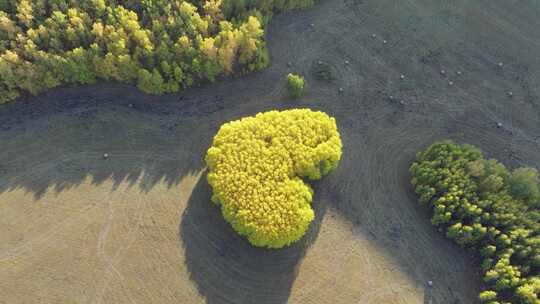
225 267
58 141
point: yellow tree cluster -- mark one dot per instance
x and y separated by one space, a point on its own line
256 170
161 45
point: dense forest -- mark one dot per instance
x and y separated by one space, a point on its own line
161 46
484 206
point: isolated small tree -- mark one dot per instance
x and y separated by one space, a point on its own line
295 85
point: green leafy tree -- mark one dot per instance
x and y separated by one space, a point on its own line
484 206
488 296
151 83
524 185
528 292
295 85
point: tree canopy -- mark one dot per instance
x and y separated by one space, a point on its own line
256 170
484 206
295 85
162 46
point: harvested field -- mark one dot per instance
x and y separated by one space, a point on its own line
138 226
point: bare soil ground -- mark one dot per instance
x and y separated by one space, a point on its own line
138 227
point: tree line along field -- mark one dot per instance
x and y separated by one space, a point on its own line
482 205
162 46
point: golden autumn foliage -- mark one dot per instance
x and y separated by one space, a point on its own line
161 46
256 170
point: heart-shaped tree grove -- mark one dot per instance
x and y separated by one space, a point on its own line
256 170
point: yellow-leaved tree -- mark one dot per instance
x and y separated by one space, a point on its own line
257 166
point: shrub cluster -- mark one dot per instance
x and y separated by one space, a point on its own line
484 206
161 45
295 85
256 165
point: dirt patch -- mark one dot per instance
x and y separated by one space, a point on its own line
138 227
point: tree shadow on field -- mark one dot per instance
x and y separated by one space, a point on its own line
225 267
69 136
